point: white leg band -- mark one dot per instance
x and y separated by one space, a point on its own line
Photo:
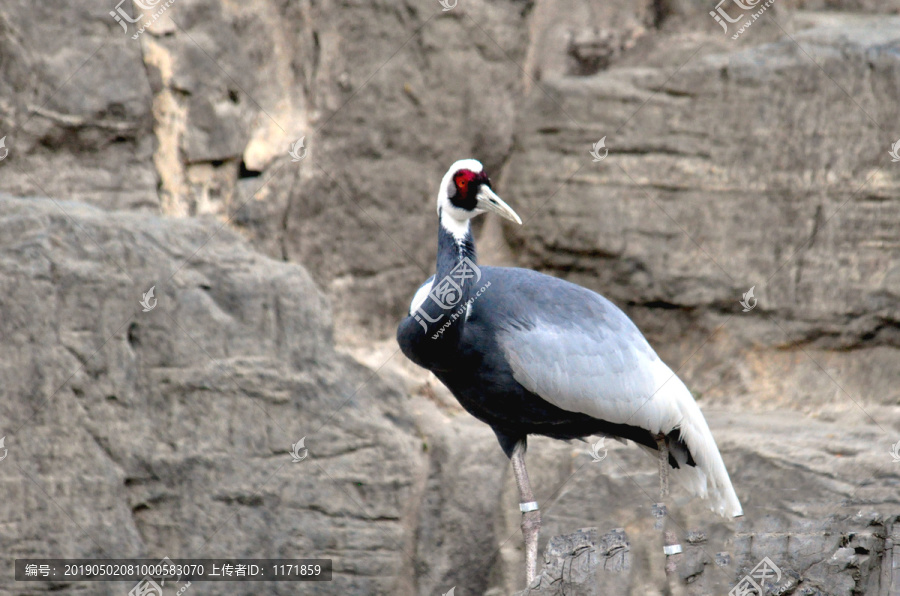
672 550
529 506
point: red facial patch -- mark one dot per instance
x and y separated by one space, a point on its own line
462 179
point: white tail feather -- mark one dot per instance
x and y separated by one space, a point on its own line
709 478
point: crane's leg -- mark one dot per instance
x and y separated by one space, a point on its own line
663 466
670 540
531 515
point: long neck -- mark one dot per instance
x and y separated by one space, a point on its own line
455 244
456 273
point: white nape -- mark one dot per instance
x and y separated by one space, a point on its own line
459 229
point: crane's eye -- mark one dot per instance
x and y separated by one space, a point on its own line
462 182
465 184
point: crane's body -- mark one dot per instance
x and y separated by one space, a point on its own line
527 353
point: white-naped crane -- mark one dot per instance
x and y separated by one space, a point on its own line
531 354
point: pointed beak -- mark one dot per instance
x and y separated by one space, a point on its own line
489 201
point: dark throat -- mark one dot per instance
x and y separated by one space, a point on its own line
451 252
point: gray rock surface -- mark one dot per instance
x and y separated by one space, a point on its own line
164 433
584 563
862 562
758 162
75 106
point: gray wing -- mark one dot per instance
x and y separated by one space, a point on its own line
581 353
578 351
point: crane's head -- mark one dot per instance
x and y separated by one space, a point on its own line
466 192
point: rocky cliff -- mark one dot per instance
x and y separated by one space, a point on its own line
158 158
